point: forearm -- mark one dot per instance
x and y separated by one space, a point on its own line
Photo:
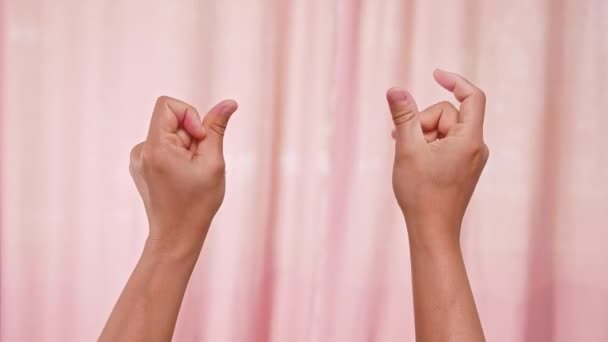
444 306
148 307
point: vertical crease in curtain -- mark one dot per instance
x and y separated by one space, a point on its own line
540 296
262 312
342 158
2 144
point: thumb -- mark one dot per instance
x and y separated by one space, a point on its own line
408 130
215 123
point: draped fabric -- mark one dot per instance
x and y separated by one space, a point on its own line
309 244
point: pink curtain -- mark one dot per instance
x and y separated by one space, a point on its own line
309 244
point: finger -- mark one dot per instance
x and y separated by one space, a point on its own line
405 116
215 123
193 125
472 99
431 136
184 137
170 114
191 129
438 119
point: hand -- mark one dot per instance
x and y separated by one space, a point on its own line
179 173
440 154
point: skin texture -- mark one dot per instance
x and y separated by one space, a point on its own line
179 173
439 157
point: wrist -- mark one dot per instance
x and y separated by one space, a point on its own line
178 238
433 233
170 250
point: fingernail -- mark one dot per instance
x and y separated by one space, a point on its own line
397 95
229 107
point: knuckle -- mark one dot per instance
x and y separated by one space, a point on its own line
163 100
190 109
405 154
163 103
217 166
150 158
218 128
132 171
178 139
135 153
486 152
447 106
132 168
480 94
404 116
477 149
135 157
167 102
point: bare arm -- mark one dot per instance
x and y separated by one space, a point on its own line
179 173
149 304
444 308
439 157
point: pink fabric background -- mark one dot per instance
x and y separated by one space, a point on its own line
309 244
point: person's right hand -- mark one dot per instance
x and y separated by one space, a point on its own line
179 173
440 154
